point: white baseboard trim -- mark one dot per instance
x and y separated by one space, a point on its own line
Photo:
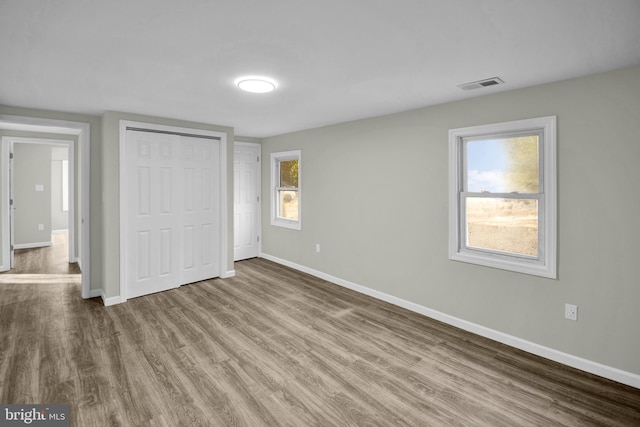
106 301
111 301
31 245
592 367
117 300
228 274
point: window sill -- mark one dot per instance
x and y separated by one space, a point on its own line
525 266
292 225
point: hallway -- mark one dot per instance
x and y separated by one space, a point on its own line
52 259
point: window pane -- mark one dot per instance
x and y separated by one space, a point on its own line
503 165
288 204
504 225
289 173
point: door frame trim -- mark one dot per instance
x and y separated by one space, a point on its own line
222 136
83 131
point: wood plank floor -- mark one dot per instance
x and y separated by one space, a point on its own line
52 259
273 346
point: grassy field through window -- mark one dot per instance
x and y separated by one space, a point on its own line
503 225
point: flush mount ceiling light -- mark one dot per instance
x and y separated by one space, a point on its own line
256 84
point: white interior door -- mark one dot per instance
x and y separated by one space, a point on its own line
200 209
153 212
246 207
173 221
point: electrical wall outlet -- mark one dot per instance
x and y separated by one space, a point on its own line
40 227
571 312
318 247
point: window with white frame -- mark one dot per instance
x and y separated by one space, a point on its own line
502 195
286 189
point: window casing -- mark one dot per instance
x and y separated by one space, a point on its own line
286 196
502 195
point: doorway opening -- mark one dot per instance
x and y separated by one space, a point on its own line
80 132
39 189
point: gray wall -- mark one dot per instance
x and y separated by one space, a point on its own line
375 196
32 166
59 217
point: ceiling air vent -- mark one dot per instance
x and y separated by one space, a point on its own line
481 83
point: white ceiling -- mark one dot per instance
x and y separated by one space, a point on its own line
335 60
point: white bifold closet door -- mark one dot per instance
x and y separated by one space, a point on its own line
172 212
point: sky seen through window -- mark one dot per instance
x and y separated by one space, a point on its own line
486 166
